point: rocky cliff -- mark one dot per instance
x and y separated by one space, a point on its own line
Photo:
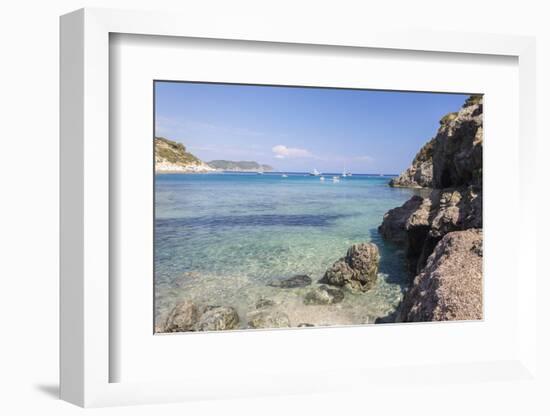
171 156
420 173
436 230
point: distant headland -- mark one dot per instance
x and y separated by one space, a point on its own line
173 157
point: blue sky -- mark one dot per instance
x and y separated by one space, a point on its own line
298 129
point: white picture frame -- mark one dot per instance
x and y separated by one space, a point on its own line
86 304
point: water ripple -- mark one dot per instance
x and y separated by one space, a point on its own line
266 220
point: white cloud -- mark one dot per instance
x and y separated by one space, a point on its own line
281 152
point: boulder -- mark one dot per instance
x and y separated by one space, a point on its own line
396 221
298 280
218 318
183 317
268 319
323 295
449 287
358 270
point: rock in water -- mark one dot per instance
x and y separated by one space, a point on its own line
183 317
323 295
358 270
449 287
299 280
420 223
397 220
218 318
268 319
264 303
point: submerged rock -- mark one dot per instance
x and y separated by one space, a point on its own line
450 285
299 280
218 318
323 295
183 317
358 270
264 303
268 319
188 316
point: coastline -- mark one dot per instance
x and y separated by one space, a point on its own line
436 236
442 233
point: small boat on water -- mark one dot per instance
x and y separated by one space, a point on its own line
315 172
322 178
284 176
335 179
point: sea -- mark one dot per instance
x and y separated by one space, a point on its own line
221 238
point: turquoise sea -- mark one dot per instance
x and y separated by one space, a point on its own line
220 238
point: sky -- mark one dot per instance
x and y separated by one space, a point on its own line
296 129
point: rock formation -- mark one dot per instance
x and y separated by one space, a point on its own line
420 173
268 319
172 156
449 287
298 280
458 147
187 316
218 319
454 205
358 270
323 295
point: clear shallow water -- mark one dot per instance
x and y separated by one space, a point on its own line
220 238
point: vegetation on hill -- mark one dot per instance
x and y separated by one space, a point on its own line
238 166
173 152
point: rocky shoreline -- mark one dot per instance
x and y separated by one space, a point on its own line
442 234
348 276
